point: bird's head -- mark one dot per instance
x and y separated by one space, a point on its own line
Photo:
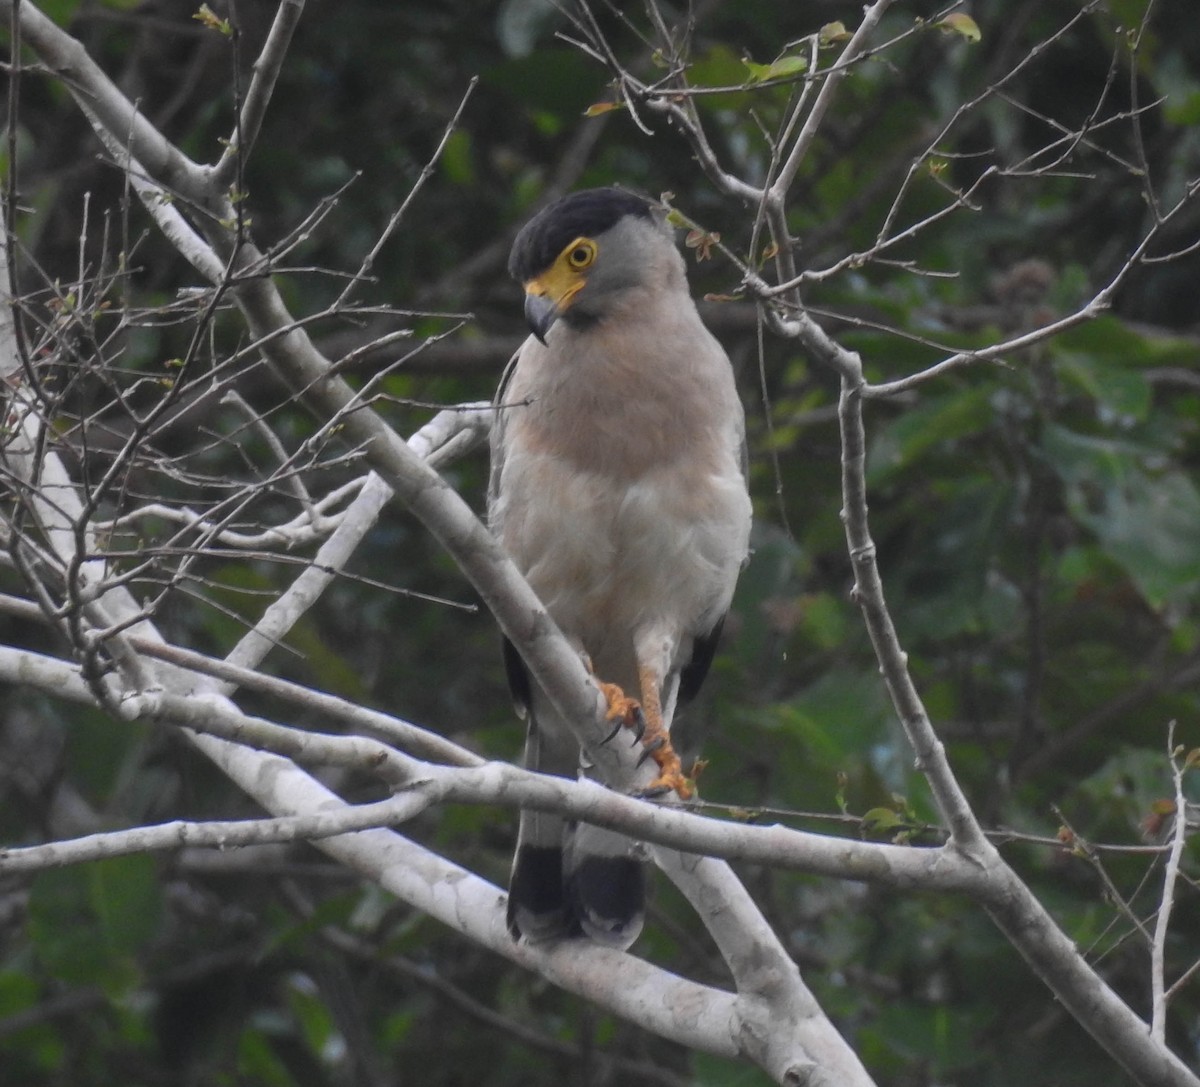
576 256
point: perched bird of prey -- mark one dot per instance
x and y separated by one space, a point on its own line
618 487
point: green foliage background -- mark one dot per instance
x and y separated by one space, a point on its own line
1038 524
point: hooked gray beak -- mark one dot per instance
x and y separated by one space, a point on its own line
540 314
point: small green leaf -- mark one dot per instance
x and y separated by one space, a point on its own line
779 69
878 819
210 19
758 72
786 66
959 22
831 33
839 796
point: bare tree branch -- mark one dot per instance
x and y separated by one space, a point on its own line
1162 924
254 107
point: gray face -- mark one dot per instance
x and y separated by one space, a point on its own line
625 258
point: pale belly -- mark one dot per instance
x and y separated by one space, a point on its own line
609 561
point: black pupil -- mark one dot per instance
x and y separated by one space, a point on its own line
579 256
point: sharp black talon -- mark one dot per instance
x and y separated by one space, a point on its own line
648 753
613 735
652 793
639 725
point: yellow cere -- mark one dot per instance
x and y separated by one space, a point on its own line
564 279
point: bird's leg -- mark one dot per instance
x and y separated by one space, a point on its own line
622 709
645 720
657 741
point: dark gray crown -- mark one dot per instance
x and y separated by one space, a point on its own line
583 214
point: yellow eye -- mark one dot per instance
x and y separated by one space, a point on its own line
580 253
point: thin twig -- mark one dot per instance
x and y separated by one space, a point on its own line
1162 925
258 96
368 262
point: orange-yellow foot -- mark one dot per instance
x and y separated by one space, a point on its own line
671 778
627 713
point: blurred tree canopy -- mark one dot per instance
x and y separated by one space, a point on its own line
1038 522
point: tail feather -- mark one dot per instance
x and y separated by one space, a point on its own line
537 904
606 887
537 907
570 879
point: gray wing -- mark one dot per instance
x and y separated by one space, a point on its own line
500 412
704 649
519 683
